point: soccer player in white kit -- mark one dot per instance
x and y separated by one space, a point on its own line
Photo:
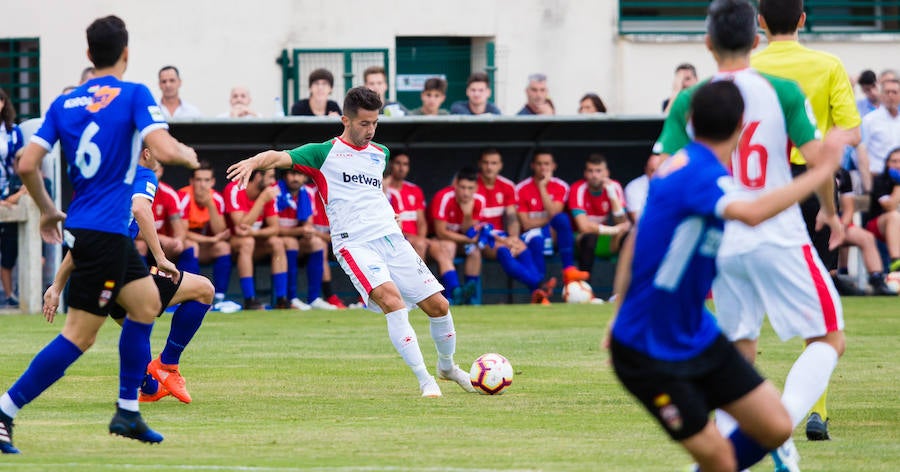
770 269
385 269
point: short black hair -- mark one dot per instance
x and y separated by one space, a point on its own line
204 165
596 158
717 109
781 16
688 67
467 173
170 67
107 38
731 26
539 151
436 83
361 97
478 77
867 77
321 74
488 151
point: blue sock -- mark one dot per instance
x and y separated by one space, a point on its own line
450 280
746 450
150 385
134 355
291 273
314 272
565 239
536 249
188 262
47 367
279 284
222 273
515 269
185 322
247 287
476 281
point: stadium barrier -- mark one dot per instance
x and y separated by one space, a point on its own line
28 217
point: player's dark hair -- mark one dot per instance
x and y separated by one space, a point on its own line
731 26
488 151
596 158
478 77
781 16
107 38
204 165
596 100
165 68
361 97
867 77
321 74
7 112
436 83
539 151
467 173
716 110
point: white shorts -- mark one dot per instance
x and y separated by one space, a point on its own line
789 284
387 259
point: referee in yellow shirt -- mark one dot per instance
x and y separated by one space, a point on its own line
824 80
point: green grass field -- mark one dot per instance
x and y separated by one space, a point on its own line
325 391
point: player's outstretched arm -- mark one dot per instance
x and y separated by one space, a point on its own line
142 210
240 172
170 151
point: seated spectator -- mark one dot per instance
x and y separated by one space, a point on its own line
478 89
884 219
239 101
542 200
375 79
321 83
880 132
591 103
408 203
859 237
207 235
299 237
455 212
685 77
868 83
254 226
500 213
636 190
322 230
433 95
536 94
11 189
597 203
171 103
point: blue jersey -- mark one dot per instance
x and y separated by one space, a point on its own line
663 314
145 183
100 125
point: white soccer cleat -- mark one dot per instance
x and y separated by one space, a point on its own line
299 305
457 375
786 457
226 306
430 388
321 304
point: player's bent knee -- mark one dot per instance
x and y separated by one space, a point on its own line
435 306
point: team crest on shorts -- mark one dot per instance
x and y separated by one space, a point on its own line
106 293
668 412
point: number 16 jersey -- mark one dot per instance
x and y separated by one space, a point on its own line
776 117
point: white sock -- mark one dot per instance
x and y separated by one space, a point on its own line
130 405
444 336
404 338
808 379
8 407
218 297
725 423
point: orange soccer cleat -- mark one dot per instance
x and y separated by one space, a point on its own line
169 377
161 393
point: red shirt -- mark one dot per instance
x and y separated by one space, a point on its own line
166 204
197 217
320 219
407 201
596 207
444 208
497 199
236 199
529 198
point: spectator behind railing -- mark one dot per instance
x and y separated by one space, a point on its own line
536 93
171 103
884 219
478 89
591 103
321 83
239 101
880 131
685 76
433 95
375 79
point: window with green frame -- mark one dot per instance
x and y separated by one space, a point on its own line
823 16
20 75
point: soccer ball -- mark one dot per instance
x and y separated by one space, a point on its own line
578 292
491 374
892 280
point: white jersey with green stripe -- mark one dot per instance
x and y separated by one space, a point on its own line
776 115
349 181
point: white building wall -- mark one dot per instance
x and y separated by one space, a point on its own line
218 44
